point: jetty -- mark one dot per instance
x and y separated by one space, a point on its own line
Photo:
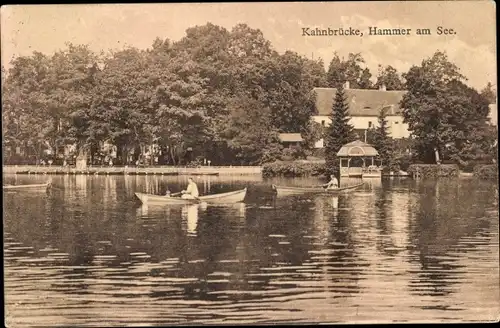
135 170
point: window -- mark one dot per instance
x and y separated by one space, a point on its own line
396 122
369 124
323 122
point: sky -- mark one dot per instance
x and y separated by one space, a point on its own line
46 28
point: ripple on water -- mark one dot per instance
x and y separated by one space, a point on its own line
407 260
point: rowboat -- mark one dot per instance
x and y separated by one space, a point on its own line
31 187
316 190
222 198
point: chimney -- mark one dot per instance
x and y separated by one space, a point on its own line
346 85
382 87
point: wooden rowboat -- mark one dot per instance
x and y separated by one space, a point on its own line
31 187
223 198
316 190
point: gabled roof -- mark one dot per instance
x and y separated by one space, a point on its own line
357 148
361 102
290 137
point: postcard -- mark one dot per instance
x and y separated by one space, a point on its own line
250 163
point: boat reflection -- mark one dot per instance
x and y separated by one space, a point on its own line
335 202
189 215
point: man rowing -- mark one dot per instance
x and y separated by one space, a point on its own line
333 183
191 191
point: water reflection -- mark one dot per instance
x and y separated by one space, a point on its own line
439 232
189 215
394 251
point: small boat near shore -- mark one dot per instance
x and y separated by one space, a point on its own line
203 173
28 187
317 190
231 197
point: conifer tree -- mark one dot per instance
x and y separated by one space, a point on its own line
381 139
339 132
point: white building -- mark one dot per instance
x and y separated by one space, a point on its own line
364 108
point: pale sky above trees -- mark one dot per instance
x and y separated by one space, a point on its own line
46 29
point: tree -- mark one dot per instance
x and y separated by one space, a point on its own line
176 95
121 109
470 135
312 133
444 115
350 70
315 69
339 132
364 79
389 77
75 78
489 93
249 132
335 75
287 89
30 114
180 104
381 139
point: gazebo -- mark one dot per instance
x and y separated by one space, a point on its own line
358 159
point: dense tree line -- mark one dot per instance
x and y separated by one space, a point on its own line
448 119
225 96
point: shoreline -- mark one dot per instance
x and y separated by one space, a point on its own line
121 170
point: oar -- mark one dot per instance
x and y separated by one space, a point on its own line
176 194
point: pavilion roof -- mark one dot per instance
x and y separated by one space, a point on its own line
357 149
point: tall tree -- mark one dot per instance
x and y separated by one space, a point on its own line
364 79
75 77
28 112
121 106
335 75
312 134
389 77
441 111
250 135
489 93
469 137
339 132
290 95
348 70
381 139
180 103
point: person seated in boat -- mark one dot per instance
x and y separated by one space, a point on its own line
333 183
167 194
191 191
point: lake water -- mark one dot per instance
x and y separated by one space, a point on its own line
89 254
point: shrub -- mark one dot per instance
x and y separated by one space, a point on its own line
198 162
270 155
292 153
489 171
434 170
469 166
287 154
293 169
403 162
318 152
